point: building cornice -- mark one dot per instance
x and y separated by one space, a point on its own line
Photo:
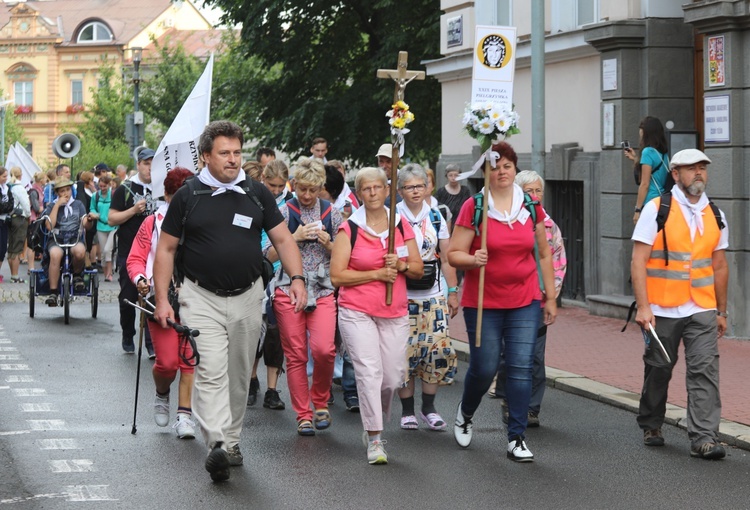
615 35
713 16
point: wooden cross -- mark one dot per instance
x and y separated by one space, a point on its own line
402 76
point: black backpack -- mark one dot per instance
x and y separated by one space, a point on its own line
7 203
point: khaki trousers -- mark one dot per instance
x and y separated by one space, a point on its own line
229 332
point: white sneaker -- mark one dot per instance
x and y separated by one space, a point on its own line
463 429
376 453
161 410
518 451
185 426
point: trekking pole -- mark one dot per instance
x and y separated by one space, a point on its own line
140 351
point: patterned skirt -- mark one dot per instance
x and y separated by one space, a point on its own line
429 352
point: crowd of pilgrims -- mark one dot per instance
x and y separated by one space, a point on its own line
347 332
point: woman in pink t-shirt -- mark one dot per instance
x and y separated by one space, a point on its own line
373 333
512 297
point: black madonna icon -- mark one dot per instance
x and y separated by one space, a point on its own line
494 51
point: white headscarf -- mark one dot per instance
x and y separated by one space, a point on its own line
695 219
221 187
359 217
517 211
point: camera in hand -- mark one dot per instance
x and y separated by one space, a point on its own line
625 144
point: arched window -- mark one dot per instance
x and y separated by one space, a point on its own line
95 31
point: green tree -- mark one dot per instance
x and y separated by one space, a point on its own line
102 134
314 73
13 129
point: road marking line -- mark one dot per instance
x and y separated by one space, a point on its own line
14 366
57 444
71 466
30 392
19 378
4 387
10 357
46 424
8 349
88 493
36 408
19 499
15 432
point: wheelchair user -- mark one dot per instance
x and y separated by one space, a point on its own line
65 216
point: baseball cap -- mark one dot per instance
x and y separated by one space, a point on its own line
101 167
146 154
688 157
385 150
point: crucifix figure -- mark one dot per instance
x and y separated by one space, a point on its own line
402 76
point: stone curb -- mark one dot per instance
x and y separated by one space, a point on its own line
731 433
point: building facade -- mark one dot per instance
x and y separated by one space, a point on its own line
51 52
608 64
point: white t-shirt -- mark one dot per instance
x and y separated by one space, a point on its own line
427 241
645 232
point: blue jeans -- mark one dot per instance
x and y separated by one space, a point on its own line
511 333
538 373
348 383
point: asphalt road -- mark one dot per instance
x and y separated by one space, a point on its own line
66 410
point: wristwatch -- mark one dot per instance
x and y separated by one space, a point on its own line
722 314
300 277
638 209
406 269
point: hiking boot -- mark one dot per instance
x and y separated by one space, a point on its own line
252 396
517 451
235 456
463 428
352 403
161 410
653 437
272 400
532 420
185 426
217 464
376 453
709 451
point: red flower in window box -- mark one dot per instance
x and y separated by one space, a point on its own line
20 109
74 108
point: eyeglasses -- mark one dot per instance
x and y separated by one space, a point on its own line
377 188
415 187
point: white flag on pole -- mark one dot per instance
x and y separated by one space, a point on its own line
179 147
18 156
29 166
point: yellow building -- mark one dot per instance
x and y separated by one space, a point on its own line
51 51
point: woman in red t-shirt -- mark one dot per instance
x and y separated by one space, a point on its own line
511 297
374 333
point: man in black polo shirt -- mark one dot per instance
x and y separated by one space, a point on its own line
222 291
131 203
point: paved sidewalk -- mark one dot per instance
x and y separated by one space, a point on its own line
589 356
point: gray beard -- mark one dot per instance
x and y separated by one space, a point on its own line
696 189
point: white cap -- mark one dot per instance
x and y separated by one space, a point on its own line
688 157
385 150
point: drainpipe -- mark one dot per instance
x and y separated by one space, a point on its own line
537 87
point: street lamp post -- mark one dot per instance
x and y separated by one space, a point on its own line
137 115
